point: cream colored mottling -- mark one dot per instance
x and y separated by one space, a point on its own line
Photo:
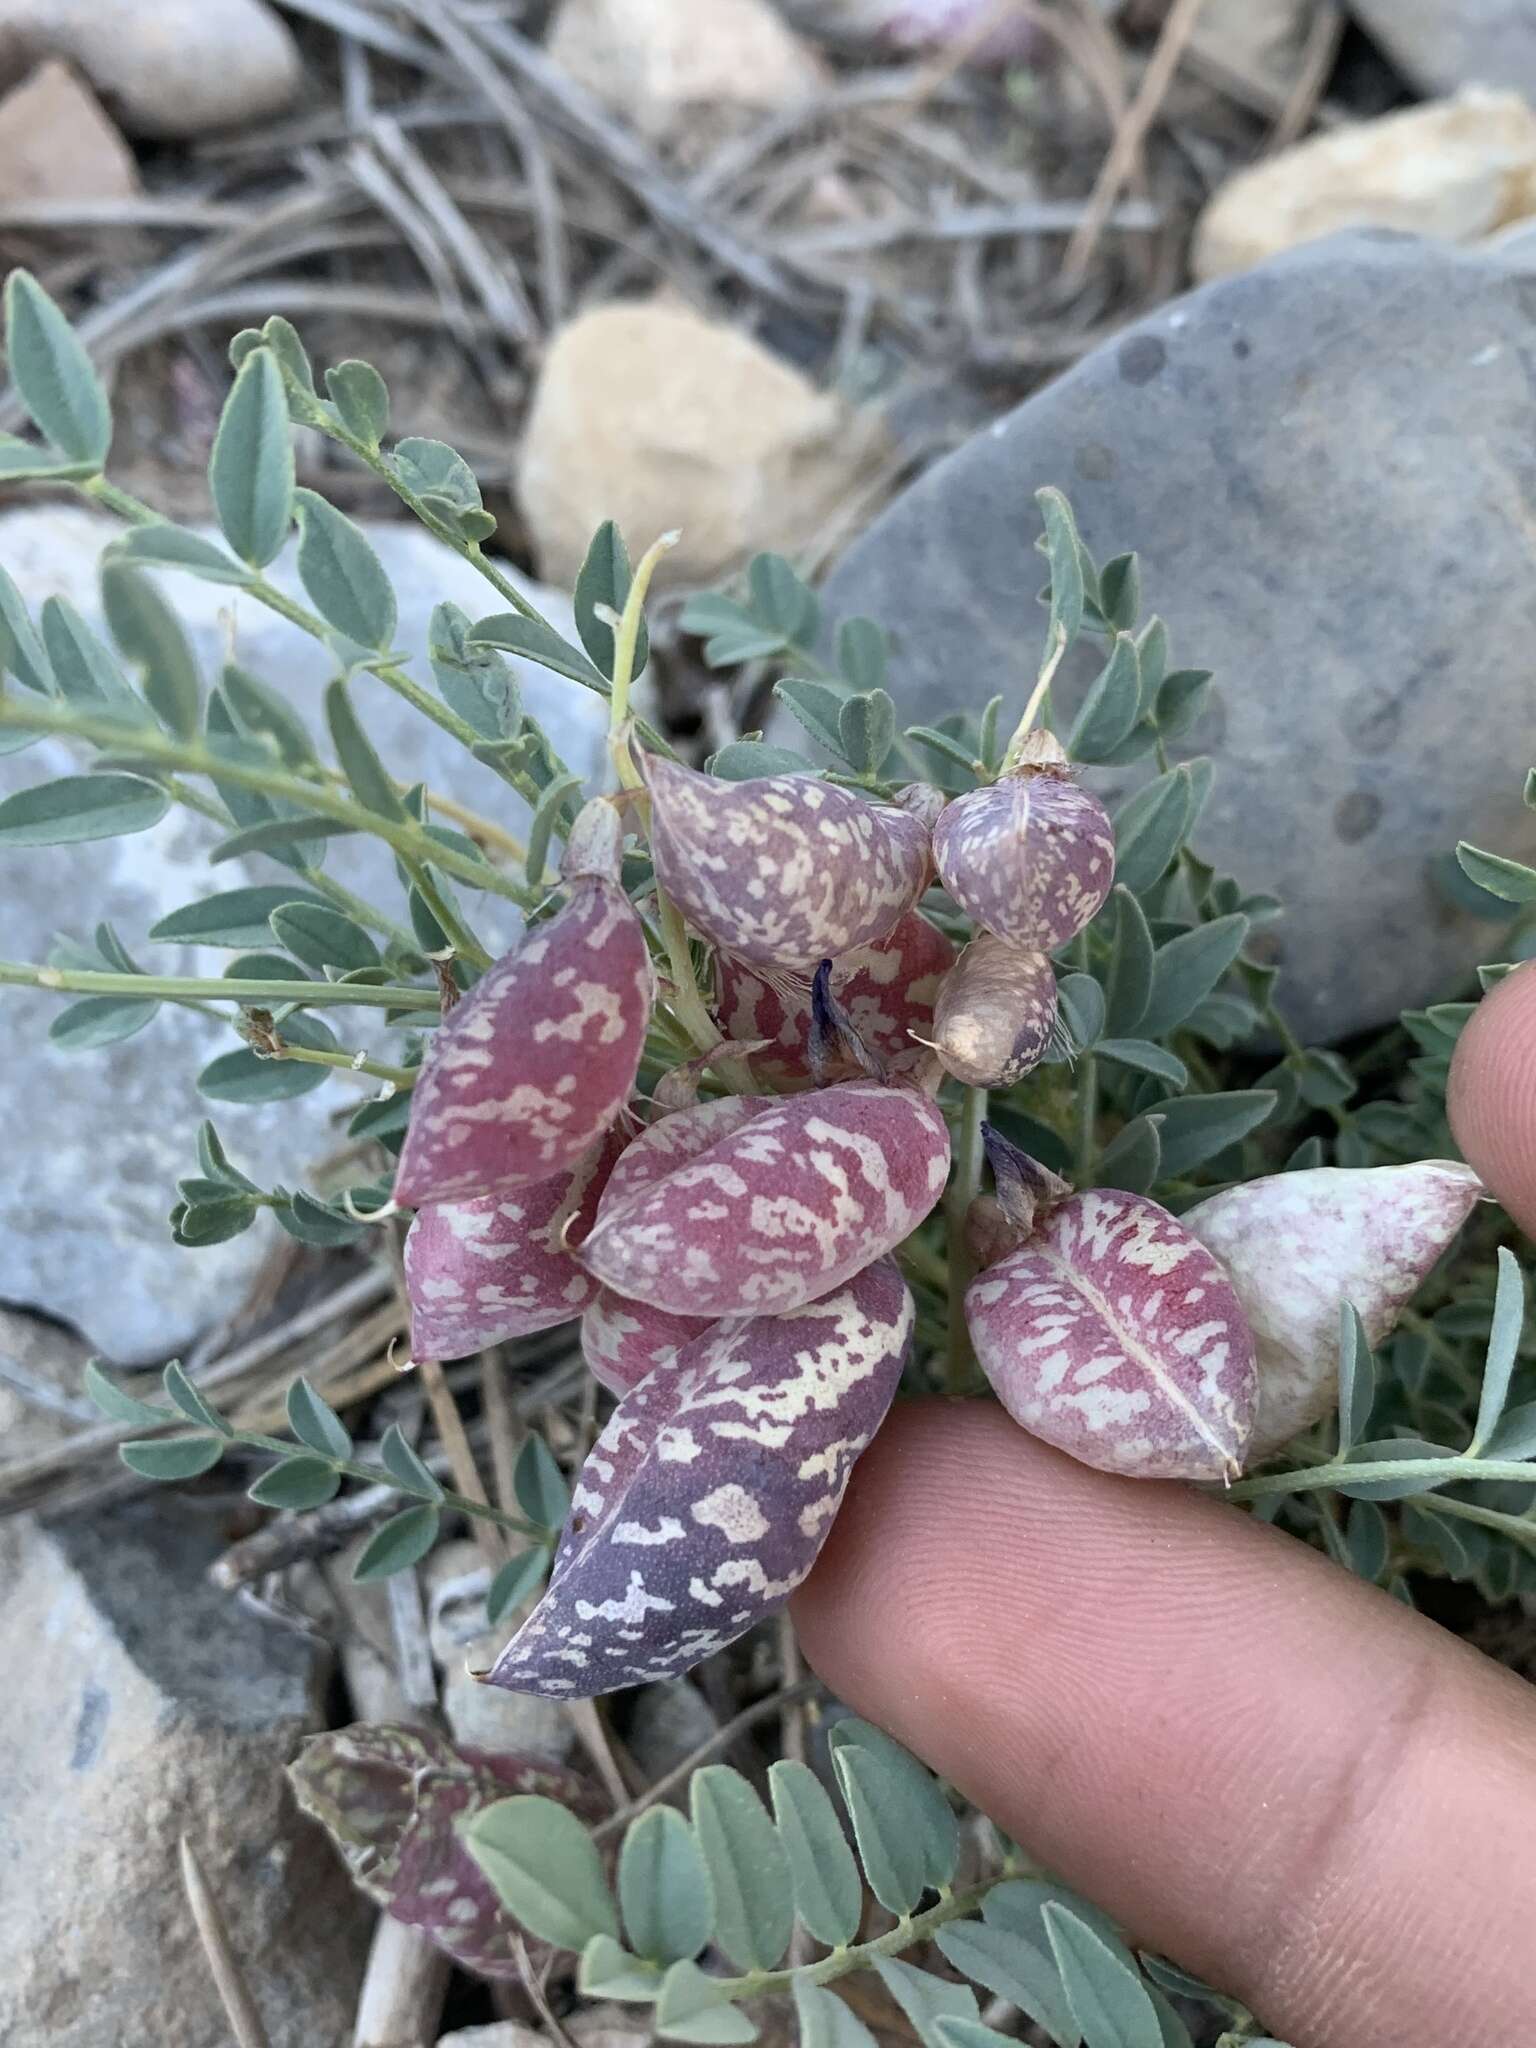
735 1512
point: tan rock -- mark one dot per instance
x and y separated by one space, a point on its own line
56 142
668 65
165 67
652 415
1452 171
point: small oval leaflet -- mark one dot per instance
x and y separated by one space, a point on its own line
796 1201
705 1500
1114 1334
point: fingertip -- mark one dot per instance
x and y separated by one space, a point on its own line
1492 1094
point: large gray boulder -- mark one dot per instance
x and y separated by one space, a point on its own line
95 1141
143 1706
1443 44
1328 466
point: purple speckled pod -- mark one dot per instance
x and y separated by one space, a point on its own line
1298 1245
705 1500
480 1272
1030 858
781 1210
887 989
624 1341
995 1014
538 1060
1114 1334
783 871
671 1142
391 1799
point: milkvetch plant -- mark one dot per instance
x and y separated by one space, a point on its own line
894 1058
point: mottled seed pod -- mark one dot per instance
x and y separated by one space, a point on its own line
708 1495
996 1013
393 1800
785 870
1296 1246
782 1210
624 1341
671 1142
478 1273
538 1059
887 990
1114 1334
1030 858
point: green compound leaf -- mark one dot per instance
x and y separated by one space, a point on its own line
826 2021
344 577
1009 1965
517 1580
323 937
1150 828
96 1021
544 1867
748 1868
401 1542
664 1888
172 1457
53 375
912 1792
180 1390
250 471
1064 551
1196 1128
173 547
1128 989
692 2008
539 1484
889 1847
117 1405
1187 968
1510 880
297 1483
366 774
1109 2001
926 1999
81 807
405 1467
604 580
237 918
315 1422
1111 705
829 1893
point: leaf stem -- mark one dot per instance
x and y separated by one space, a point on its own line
1037 697
1456 1470
907 1933
625 641
404 834
403 1078
963 1191
377 1475
174 988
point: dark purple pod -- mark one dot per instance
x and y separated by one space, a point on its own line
782 1209
785 870
707 1497
1115 1335
1030 858
539 1058
392 1799
478 1273
996 1013
624 1341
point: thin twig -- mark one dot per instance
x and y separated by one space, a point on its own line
244 2019
1319 53
760 1710
1130 135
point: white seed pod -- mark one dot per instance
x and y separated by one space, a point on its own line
1115 1335
1297 1246
781 1210
1030 858
707 1497
996 1013
784 870
478 1273
625 1341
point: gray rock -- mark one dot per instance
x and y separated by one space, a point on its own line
1328 465
96 1140
1442 44
671 1720
148 1707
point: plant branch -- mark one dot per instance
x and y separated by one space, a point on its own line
1437 1472
171 988
907 1933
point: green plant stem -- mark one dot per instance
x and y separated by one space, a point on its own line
1037 697
1345 1472
403 1078
170 988
928 1265
1519 1528
907 1933
142 744
1085 1118
963 1191
626 640
454 929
